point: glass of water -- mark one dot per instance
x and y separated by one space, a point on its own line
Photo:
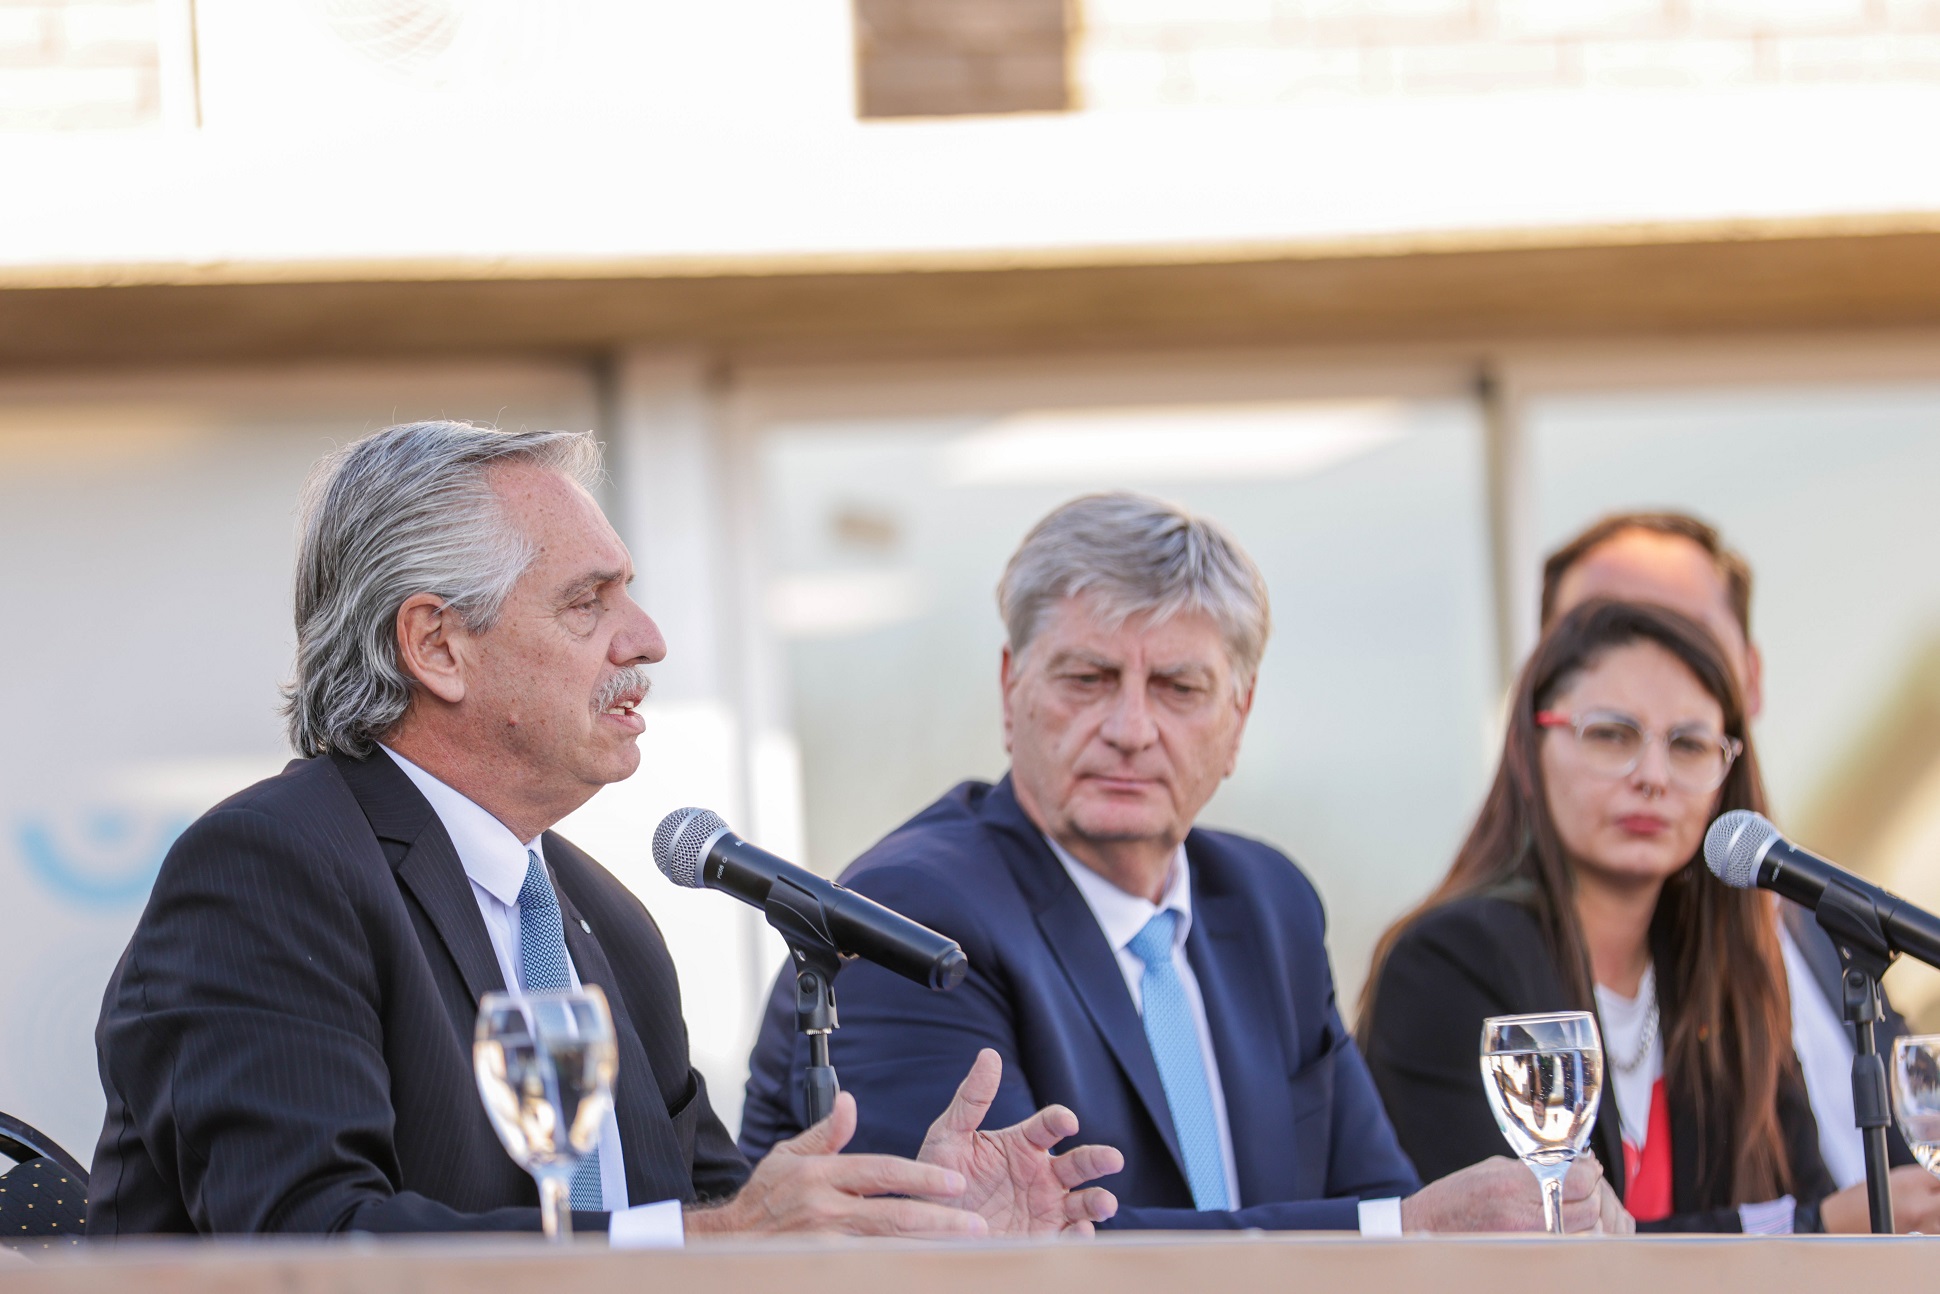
545 1065
1544 1076
1916 1096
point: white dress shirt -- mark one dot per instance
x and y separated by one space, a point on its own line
1121 915
495 863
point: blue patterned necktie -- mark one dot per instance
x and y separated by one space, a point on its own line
542 956
1182 1069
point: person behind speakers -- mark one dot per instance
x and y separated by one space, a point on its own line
1676 560
1168 982
286 1043
1581 886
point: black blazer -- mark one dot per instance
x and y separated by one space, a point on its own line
1488 955
286 1043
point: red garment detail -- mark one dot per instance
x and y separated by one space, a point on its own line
1647 1172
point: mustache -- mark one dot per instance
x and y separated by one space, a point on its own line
628 681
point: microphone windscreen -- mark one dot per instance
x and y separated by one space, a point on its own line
1736 844
680 843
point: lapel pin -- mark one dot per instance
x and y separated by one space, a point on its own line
583 926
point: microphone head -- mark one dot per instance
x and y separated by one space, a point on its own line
1736 844
949 970
681 842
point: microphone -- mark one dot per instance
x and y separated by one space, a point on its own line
1743 849
693 848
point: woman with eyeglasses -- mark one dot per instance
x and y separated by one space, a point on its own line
1582 886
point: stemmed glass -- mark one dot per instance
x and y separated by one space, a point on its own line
1916 1096
545 1064
1544 1077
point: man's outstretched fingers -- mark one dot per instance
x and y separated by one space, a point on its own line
1095 1204
966 1110
890 1175
1083 1164
827 1137
1049 1126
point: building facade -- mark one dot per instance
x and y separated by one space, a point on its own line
1404 291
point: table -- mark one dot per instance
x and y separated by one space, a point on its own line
1144 1264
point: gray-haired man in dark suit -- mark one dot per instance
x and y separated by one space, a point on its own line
286 1044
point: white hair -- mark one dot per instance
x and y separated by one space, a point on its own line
1136 556
405 511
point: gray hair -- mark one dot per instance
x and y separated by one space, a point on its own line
1137 556
405 511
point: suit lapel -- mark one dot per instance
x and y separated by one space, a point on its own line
427 865
1246 1021
647 1138
1087 960
428 868
1092 968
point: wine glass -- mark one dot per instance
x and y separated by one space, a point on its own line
1916 1096
1544 1076
545 1064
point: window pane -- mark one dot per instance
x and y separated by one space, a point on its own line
1365 753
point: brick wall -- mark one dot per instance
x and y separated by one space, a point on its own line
940 57
95 63
78 64
1151 53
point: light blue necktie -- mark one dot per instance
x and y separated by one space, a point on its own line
1182 1068
542 956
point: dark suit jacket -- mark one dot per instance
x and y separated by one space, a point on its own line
1465 961
1045 991
286 1044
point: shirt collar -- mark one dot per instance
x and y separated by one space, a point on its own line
490 854
1121 915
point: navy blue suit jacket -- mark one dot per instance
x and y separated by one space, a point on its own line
1045 991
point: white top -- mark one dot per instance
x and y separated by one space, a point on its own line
1825 1054
1121 915
495 862
1622 1020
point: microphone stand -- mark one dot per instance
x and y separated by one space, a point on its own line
798 917
1848 915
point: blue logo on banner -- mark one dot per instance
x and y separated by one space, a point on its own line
103 858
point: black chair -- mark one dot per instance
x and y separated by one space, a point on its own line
44 1196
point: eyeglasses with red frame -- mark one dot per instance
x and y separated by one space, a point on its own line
1612 744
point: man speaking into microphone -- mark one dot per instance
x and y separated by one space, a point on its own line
286 1044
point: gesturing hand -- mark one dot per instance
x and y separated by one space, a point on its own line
805 1184
1013 1180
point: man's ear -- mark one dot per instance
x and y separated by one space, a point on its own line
1244 704
1754 681
425 647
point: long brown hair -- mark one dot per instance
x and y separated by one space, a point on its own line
1727 1023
